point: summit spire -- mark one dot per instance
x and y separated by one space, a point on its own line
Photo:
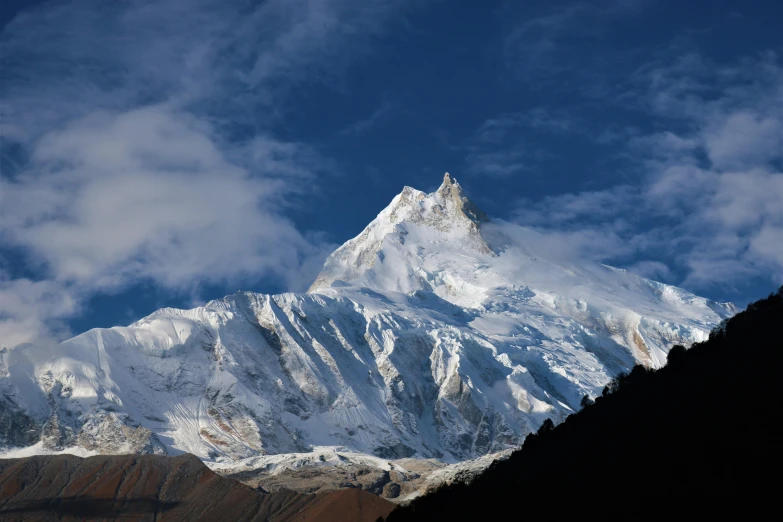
413 220
449 186
451 190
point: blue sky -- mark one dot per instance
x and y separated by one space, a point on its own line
165 153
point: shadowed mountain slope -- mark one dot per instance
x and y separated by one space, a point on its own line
699 438
345 505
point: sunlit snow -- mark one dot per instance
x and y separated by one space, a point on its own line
434 333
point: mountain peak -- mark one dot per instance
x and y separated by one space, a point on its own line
417 339
451 191
449 183
413 219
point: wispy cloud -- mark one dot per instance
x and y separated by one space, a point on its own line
383 113
541 42
502 146
211 57
498 163
709 200
139 145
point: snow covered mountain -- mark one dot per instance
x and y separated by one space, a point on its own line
434 333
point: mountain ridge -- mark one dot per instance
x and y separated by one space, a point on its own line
695 439
445 209
431 334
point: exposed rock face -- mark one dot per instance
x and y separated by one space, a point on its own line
16 427
152 487
452 196
56 436
111 434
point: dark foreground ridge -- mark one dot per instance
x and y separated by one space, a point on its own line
152 487
699 438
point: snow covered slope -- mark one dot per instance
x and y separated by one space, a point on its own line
431 334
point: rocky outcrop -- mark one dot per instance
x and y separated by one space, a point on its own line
112 434
55 435
16 427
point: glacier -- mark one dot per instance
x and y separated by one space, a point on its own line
435 333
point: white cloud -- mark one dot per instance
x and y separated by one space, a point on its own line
103 203
503 146
148 151
567 210
555 244
766 244
498 164
676 187
744 138
655 270
381 114
746 200
711 201
33 311
147 195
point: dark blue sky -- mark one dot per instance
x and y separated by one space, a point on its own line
171 152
